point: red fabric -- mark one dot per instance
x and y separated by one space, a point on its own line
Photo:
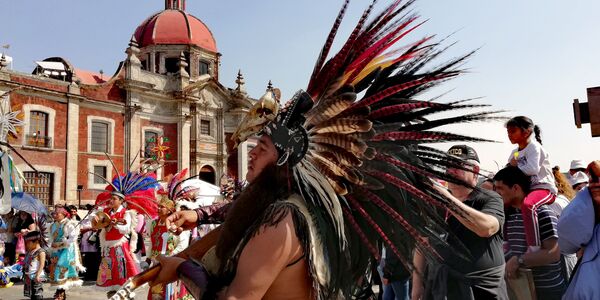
114 234
116 267
532 201
144 202
178 290
103 198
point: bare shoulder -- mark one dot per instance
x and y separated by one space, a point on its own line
281 227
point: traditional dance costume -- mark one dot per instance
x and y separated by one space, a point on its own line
65 261
117 263
165 243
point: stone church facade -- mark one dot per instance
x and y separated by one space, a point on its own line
167 89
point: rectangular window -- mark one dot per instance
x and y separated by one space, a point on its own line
38 130
171 64
100 141
205 127
203 68
40 186
100 170
157 63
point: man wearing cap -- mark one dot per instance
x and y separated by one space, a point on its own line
478 230
579 228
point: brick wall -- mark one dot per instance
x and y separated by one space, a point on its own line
40 83
60 122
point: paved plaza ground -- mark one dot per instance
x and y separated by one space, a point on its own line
87 292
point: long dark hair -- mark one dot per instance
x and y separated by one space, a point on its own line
272 184
526 123
21 224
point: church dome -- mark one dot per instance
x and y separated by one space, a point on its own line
175 27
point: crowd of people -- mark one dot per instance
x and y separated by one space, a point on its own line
343 191
509 228
67 247
520 243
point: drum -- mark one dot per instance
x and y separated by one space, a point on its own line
101 221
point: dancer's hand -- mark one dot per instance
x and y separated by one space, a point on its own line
168 269
182 220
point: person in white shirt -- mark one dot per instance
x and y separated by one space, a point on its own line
532 159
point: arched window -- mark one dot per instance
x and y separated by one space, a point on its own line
207 173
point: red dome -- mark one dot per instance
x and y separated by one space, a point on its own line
175 27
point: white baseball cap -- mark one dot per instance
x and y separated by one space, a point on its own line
578 164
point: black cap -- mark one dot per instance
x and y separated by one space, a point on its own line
464 152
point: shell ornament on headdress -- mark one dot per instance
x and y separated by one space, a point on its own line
357 143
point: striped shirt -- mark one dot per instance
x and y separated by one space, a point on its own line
548 277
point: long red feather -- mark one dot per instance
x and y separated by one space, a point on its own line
361 234
397 88
398 218
328 43
399 108
377 229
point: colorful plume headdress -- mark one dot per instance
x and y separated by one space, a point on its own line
357 143
136 188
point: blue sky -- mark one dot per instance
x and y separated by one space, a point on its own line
535 56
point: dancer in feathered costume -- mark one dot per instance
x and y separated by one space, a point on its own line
64 257
124 197
343 167
164 242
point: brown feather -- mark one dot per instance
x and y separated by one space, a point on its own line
335 169
346 171
342 126
355 146
363 136
370 183
339 188
369 153
342 155
329 108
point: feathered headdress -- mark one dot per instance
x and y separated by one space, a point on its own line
136 188
357 143
194 191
